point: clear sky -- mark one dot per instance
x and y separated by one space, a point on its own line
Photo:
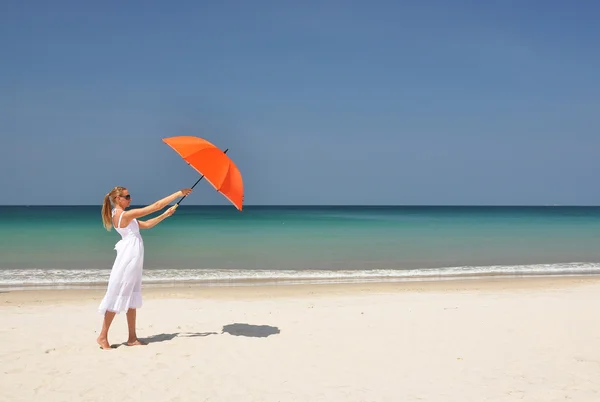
319 102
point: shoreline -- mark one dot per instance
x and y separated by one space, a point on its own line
42 279
285 289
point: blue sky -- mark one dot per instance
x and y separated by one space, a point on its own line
418 102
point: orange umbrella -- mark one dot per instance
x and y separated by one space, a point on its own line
212 164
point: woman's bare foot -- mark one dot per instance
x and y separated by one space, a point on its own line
103 342
135 342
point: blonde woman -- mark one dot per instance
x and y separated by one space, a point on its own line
124 292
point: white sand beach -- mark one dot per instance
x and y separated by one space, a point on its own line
481 340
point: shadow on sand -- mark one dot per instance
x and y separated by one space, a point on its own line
237 329
255 331
165 337
168 337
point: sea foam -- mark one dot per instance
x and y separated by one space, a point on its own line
66 278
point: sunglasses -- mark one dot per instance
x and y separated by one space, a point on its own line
127 197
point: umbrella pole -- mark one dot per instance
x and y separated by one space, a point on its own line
198 181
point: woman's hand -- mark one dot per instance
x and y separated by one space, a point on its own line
186 191
171 210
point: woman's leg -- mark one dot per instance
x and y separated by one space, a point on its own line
103 338
133 340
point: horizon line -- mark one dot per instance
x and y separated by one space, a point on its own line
316 205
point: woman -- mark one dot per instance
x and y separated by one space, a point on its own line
124 292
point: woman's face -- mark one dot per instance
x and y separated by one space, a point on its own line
124 200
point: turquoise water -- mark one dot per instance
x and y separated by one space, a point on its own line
68 245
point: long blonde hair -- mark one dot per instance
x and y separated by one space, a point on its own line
107 207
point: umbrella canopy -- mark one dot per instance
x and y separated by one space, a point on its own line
213 164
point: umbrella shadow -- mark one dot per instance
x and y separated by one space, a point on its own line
237 329
168 337
254 331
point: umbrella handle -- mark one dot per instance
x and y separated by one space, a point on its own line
198 181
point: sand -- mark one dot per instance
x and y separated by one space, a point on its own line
481 340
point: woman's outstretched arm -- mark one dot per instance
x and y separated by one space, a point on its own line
131 214
150 223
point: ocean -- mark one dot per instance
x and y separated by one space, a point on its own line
66 246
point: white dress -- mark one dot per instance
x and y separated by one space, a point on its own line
125 282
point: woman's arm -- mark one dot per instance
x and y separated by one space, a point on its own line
150 223
155 206
131 214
